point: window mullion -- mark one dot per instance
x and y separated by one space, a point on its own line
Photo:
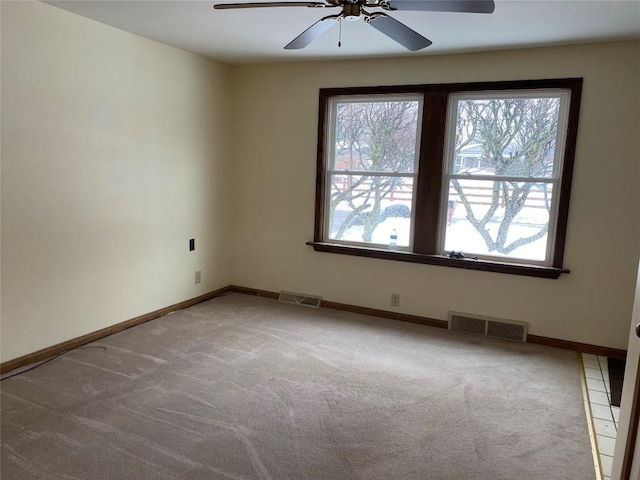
429 183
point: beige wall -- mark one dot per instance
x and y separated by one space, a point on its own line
276 125
114 155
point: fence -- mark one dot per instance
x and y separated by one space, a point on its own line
476 195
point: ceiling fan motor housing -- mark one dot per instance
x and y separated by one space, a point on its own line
351 11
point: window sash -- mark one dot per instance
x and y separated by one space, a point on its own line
382 244
551 231
380 98
563 94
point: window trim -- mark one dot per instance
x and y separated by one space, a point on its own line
430 174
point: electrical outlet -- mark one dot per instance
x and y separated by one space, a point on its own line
395 299
198 276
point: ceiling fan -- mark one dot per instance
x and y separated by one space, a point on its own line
353 10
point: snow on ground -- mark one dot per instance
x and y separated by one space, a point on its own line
460 236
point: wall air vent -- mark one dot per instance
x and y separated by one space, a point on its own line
300 299
488 326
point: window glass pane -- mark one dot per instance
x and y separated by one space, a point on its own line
498 218
366 209
376 136
512 137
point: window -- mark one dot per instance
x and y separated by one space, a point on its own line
422 173
503 165
372 165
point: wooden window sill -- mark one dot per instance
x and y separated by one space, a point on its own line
441 260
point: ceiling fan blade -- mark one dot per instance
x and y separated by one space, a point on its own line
399 32
227 6
470 6
313 32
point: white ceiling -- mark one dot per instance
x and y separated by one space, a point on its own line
258 35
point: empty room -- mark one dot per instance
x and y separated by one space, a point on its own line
329 240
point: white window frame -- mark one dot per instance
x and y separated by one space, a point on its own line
555 180
330 149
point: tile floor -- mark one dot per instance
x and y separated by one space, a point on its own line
605 416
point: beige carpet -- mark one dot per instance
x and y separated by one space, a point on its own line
242 387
